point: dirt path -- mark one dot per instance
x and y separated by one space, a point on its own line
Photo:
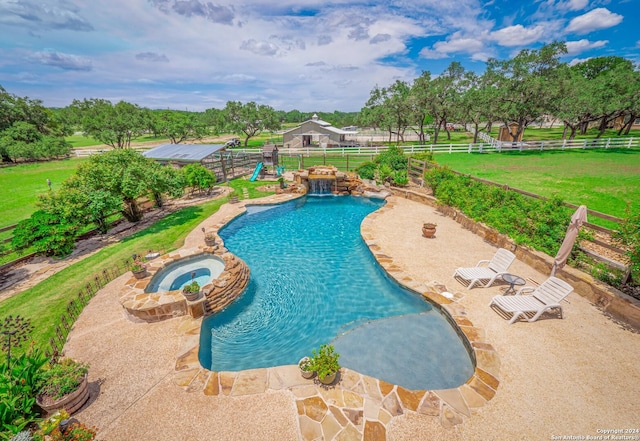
34 271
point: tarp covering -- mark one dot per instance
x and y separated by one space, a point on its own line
578 218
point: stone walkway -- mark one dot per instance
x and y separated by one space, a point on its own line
553 377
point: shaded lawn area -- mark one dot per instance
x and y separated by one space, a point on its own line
603 180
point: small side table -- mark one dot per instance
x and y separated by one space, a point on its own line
513 281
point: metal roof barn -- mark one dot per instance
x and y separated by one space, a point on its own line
183 152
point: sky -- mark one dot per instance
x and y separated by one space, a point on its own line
308 55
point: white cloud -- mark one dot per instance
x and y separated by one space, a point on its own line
62 61
575 47
468 45
576 5
54 14
600 18
310 55
259 47
578 60
517 35
430 54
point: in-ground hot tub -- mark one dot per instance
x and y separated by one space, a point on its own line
202 268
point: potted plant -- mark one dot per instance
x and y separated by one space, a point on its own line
429 229
191 291
306 367
210 239
138 269
63 385
325 363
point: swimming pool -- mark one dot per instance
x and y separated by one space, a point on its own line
313 279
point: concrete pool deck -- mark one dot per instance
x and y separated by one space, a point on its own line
572 377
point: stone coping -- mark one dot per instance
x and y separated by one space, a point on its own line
157 306
356 406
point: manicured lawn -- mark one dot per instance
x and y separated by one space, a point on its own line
21 184
603 180
533 133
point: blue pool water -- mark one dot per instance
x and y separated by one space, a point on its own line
313 279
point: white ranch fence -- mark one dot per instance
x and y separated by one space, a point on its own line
489 144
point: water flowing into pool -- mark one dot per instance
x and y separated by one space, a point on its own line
313 279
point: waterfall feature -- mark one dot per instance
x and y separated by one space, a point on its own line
321 186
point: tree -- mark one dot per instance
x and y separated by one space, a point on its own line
23 141
47 233
125 174
477 102
179 126
524 85
109 124
26 130
165 180
79 203
198 177
389 107
441 96
250 119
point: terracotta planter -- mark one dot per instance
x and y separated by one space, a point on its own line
428 232
70 402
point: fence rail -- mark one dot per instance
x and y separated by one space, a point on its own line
489 144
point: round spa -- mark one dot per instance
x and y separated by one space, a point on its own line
202 268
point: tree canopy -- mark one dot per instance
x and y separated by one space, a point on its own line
250 118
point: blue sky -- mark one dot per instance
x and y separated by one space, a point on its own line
308 55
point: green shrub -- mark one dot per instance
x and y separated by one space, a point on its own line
540 224
325 361
629 235
192 287
367 170
18 386
61 378
47 233
400 177
387 166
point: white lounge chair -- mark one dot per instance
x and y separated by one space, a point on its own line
487 269
543 298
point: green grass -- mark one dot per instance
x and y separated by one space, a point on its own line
603 180
85 141
21 184
533 133
47 301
